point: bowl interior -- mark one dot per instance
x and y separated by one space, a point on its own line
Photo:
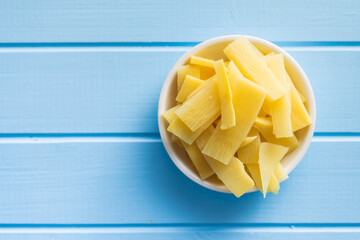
212 49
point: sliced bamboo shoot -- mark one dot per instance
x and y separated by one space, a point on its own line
274 185
254 67
250 153
170 115
303 99
247 140
265 127
254 171
280 110
227 108
204 137
280 173
232 175
247 100
197 110
202 61
300 117
182 131
198 160
189 85
196 90
186 70
276 64
269 156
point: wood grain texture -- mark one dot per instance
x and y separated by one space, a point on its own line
167 21
136 182
105 175
107 90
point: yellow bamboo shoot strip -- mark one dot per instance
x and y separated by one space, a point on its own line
254 67
189 85
193 93
247 140
206 73
182 131
202 61
276 64
206 66
204 137
197 111
186 70
215 180
253 133
280 110
300 117
257 51
250 153
274 185
196 90
254 171
227 108
198 160
170 115
232 175
269 156
265 127
302 97
248 98
280 173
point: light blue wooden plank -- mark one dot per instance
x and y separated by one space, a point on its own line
333 78
82 91
136 182
163 21
99 90
180 235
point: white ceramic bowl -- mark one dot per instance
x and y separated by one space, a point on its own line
213 49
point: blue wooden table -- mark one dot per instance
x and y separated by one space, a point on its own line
80 152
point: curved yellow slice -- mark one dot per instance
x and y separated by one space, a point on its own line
227 108
254 67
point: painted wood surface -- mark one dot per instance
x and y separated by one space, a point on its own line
107 90
181 233
133 181
80 152
177 21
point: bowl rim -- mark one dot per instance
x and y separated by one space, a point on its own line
169 78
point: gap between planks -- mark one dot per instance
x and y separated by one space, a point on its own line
160 49
171 44
34 138
160 46
175 228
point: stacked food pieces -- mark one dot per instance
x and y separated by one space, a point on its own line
238 117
